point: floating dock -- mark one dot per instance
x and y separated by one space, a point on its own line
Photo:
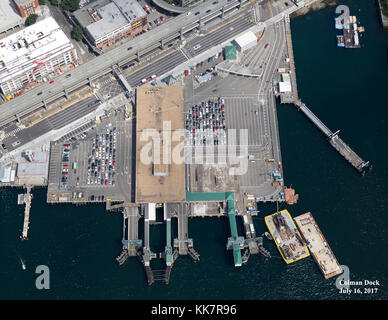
316 242
286 236
350 32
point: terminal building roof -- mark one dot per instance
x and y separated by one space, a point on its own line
161 178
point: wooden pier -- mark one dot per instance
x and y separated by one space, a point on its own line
26 199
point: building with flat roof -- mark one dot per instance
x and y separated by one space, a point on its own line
230 53
106 22
27 7
160 174
246 41
9 17
285 85
35 171
32 53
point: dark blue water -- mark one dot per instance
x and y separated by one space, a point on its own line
347 90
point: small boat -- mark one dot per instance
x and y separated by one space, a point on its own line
23 264
340 41
268 235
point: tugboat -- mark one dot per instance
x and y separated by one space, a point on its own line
265 253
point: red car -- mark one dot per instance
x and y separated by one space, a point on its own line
64 172
114 162
65 165
66 145
106 181
51 81
266 45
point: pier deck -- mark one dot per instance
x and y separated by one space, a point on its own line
133 228
182 232
27 201
292 62
316 242
336 142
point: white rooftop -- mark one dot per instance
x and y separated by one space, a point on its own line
285 86
5 174
37 43
245 39
9 17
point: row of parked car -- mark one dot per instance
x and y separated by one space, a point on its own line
102 159
205 123
65 164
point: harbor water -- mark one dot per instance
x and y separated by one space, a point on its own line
346 89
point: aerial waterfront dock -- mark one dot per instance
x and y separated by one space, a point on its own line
316 242
85 167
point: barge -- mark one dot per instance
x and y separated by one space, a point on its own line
320 249
286 236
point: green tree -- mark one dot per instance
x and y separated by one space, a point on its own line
70 5
31 19
42 2
54 2
77 33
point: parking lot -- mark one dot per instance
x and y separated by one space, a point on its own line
96 166
244 109
205 123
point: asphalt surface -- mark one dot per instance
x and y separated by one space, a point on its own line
206 42
159 67
80 151
56 121
219 35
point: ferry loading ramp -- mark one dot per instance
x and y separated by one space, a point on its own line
160 178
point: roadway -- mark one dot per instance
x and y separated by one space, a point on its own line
170 61
56 121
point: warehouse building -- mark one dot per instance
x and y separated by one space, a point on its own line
246 41
33 53
106 22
